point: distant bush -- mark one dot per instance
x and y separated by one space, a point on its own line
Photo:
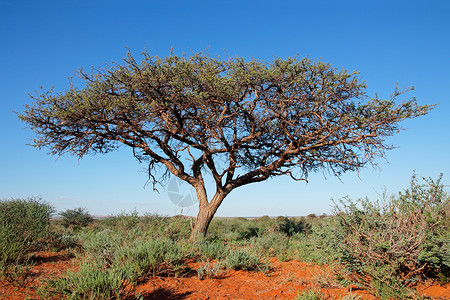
270 244
291 226
22 223
122 221
398 240
174 228
75 218
319 244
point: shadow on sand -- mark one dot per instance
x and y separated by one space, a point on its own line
165 294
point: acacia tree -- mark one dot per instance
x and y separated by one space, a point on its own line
184 113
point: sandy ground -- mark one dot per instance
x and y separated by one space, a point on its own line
285 281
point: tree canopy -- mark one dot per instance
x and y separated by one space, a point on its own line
184 113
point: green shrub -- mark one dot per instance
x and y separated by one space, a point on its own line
122 221
290 226
92 280
154 257
241 259
310 295
211 249
23 222
76 218
269 244
174 228
351 296
209 270
319 245
62 241
396 241
248 232
113 263
177 228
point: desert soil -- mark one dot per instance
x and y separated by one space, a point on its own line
285 281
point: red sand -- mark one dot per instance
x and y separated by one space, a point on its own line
286 281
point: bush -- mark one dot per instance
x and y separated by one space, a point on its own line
398 240
209 270
22 223
153 257
174 228
319 245
291 226
242 259
75 218
211 249
92 280
122 221
270 244
113 264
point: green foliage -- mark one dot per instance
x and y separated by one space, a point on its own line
174 228
23 223
154 257
182 112
122 221
241 259
112 264
270 244
291 226
211 249
310 295
76 218
351 296
177 228
62 241
209 270
92 280
383 246
318 245
396 241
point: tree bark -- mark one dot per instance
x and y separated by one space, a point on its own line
206 213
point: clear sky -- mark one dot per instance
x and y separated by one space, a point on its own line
389 42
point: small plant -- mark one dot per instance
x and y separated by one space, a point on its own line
351 296
209 270
76 218
92 281
154 257
241 259
310 295
212 250
62 241
16 273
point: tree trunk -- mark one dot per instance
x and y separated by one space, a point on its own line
205 215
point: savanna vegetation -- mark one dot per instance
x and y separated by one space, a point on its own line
241 121
383 246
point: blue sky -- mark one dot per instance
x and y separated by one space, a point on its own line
389 42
